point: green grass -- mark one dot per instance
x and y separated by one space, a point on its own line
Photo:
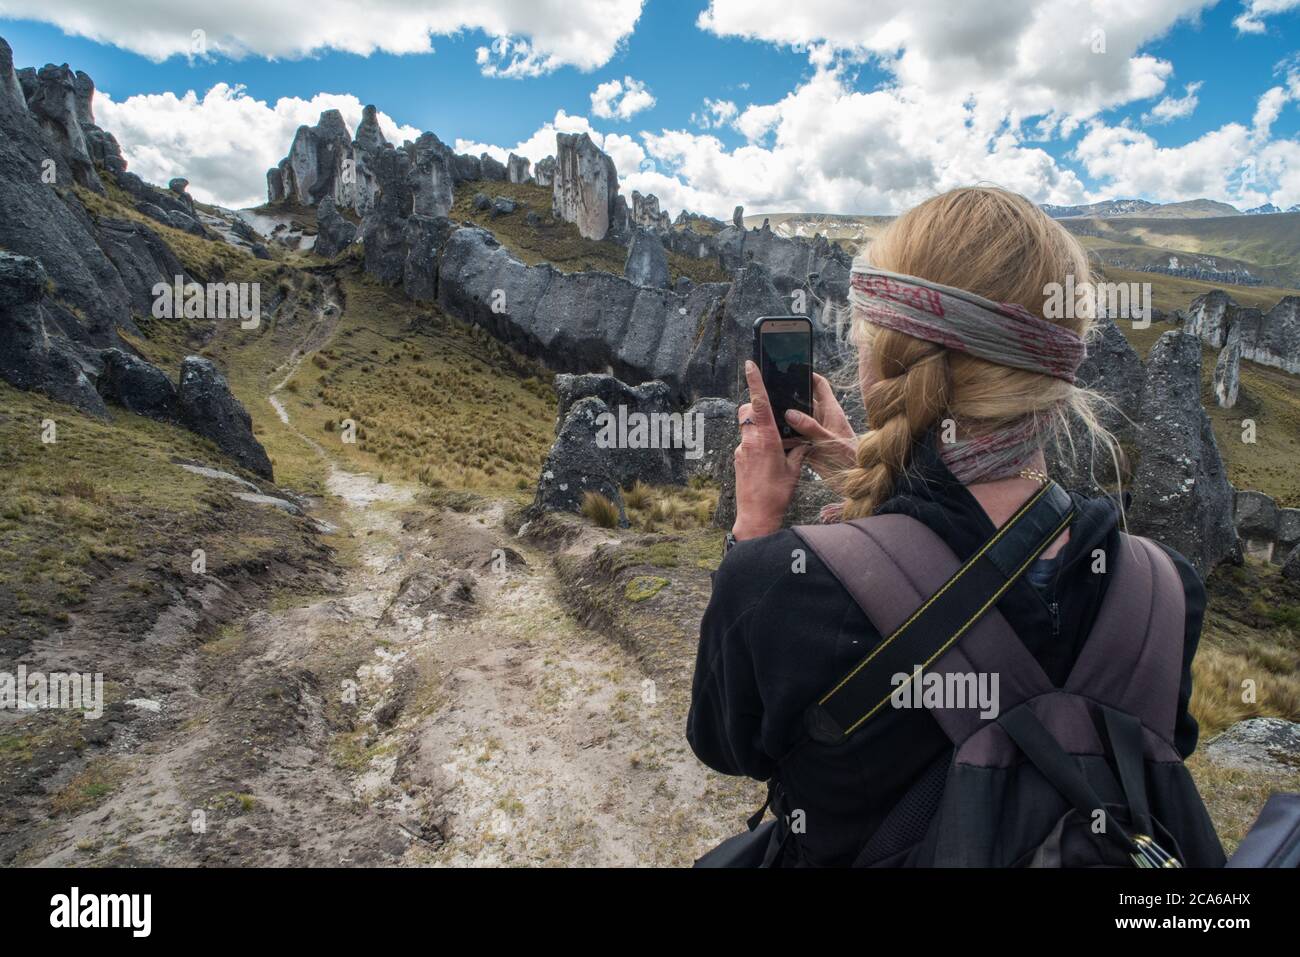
103 495
434 399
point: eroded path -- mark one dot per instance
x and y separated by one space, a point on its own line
437 705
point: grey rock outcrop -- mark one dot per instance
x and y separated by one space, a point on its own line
333 233
1227 370
1181 494
585 187
1269 338
544 172
1291 567
647 215
491 169
517 169
208 407
431 178
1267 532
137 386
30 358
610 435
647 263
1271 745
693 340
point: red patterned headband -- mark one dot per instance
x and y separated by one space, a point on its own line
1001 332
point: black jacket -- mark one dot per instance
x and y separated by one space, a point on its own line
773 641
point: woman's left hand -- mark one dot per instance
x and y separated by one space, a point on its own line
765 474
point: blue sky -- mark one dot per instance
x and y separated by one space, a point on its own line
838 120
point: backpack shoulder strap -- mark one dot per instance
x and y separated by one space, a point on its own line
922 600
1141 623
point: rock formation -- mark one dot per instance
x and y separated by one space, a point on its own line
517 169
1267 532
585 186
208 407
1227 370
1181 495
544 172
647 263
647 215
1269 338
333 232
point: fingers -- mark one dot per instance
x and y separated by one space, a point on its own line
761 407
822 391
806 425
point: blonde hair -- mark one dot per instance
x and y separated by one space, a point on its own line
996 244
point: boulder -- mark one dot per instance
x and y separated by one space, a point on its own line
31 358
141 258
138 386
503 206
482 201
609 435
647 263
1255 515
1181 493
1271 745
517 169
738 217
585 186
209 408
1227 370
333 233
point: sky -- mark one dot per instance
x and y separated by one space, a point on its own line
839 106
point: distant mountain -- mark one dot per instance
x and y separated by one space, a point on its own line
1191 209
1105 209
1263 210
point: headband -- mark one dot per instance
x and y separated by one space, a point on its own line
1001 332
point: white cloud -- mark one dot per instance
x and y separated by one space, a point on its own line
1064 59
538 146
224 142
621 99
1254 12
715 114
530 36
1174 107
1235 163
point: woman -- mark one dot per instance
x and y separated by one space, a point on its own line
959 411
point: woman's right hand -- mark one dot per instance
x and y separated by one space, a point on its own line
835 444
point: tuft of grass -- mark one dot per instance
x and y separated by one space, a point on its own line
599 510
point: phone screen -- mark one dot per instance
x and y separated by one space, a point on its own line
785 361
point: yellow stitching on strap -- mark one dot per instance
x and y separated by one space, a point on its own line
962 630
948 584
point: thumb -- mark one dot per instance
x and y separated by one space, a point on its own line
795 459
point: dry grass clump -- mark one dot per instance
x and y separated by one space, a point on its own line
599 510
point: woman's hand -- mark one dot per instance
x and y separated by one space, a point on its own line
765 475
834 443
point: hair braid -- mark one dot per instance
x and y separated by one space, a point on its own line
911 391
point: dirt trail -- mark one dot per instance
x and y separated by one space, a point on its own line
438 707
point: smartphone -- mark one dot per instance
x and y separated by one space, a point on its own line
783 352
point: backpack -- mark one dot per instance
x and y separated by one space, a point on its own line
1085 775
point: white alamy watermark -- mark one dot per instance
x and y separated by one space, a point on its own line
954 690
179 299
1118 300
52 690
75 909
651 430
